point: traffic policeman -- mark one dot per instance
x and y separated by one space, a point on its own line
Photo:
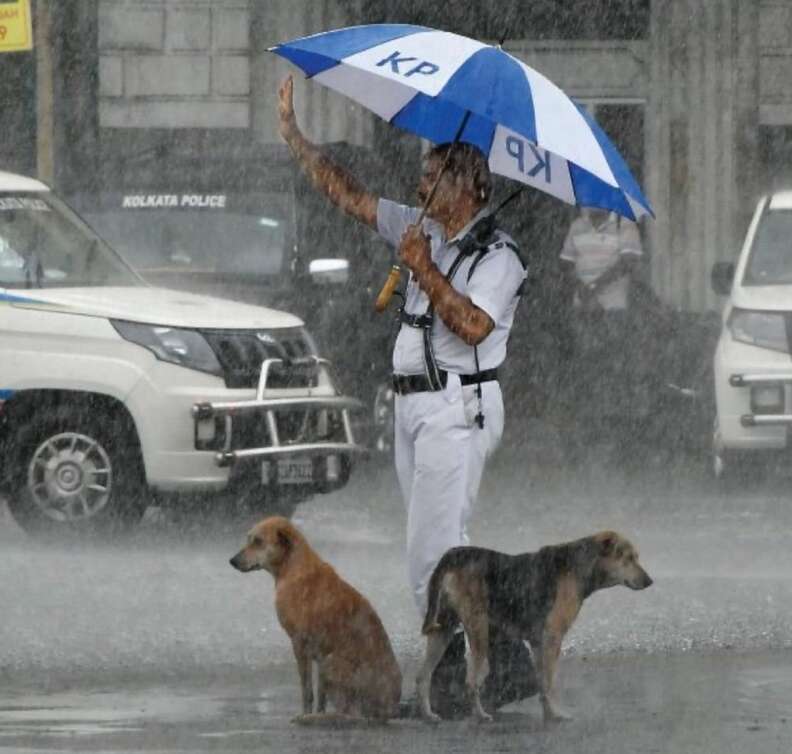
464 283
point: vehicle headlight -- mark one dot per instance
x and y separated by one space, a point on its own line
763 329
176 345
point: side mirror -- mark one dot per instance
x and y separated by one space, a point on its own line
329 271
722 277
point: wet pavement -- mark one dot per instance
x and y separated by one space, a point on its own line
159 645
686 704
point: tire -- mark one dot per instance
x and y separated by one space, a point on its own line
734 470
738 471
75 474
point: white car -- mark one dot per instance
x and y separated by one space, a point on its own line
111 389
753 360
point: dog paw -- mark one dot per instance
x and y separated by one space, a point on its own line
556 716
484 717
431 718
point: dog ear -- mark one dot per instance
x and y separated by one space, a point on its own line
607 544
284 539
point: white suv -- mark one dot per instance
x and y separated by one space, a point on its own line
111 388
753 360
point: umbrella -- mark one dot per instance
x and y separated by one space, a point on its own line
445 87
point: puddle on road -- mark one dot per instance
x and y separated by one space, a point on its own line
767 692
680 704
101 713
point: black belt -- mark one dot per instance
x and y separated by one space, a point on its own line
419 383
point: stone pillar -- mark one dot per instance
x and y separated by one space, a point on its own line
657 159
18 123
76 136
746 119
702 117
45 91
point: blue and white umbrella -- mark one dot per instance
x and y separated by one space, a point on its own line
427 82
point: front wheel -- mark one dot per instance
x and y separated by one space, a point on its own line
76 474
734 470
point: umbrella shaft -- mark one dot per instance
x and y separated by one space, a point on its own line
394 276
443 168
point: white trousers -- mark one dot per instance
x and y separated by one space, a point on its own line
440 454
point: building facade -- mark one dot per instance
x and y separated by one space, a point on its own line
698 97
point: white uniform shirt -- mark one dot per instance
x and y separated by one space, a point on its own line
595 249
492 288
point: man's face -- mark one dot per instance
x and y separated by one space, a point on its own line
447 192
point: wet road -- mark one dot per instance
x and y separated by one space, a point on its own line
159 645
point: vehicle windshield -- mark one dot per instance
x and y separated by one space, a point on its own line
44 244
770 262
202 234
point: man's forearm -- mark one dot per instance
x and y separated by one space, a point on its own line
458 312
333 180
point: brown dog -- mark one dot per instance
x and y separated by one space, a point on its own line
533 596
329 623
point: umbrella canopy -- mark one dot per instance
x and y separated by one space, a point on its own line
428 81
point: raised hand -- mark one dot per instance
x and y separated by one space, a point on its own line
288 121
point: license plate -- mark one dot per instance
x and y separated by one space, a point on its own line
290 471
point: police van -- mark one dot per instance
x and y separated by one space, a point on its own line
218 214
113 390
753 362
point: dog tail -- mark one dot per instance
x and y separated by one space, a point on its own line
431 621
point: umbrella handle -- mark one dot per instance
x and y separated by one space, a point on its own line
386 294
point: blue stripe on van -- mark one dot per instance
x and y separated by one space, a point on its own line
11 298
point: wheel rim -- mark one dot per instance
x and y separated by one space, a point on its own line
70 477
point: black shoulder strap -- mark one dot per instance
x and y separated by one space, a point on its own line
482 237
496 244
479 254
430 362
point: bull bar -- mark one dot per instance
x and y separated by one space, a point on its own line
205 410
759 379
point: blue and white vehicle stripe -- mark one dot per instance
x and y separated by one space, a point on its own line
11 298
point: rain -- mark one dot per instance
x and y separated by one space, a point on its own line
189 344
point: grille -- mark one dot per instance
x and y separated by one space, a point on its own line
249 429
294 426
241 352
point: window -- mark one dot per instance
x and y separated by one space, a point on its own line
770 262
43 244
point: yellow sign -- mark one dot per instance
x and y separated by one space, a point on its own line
16 30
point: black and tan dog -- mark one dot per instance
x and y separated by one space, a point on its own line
532 596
